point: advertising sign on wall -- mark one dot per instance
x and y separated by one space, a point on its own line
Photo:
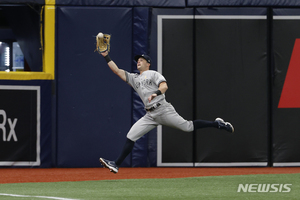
19 125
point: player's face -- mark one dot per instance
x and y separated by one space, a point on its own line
142 64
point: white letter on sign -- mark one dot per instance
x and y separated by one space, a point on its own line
2 125
12 129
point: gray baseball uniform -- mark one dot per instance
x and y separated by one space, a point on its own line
159 111
163 113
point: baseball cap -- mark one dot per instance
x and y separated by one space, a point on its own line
146 57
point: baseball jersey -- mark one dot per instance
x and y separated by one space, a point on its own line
146 84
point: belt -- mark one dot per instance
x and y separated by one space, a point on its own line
153 107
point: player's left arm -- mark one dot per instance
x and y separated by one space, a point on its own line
163 86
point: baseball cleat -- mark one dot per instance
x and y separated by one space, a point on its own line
111 165
224 125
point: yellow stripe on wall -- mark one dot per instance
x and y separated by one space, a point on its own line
49 40
50 2
25 76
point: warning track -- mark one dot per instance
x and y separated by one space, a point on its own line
22 175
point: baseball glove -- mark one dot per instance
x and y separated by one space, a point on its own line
103 42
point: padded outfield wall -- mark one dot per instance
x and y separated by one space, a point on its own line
235 60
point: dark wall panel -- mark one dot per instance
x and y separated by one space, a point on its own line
232 83
172 49
242 3
178 70
286 131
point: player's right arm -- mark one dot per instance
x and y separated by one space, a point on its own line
112 65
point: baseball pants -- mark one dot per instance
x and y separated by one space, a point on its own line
165 115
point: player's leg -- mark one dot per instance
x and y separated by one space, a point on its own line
173 119
169 117
218 123
199 123
128 146
140 128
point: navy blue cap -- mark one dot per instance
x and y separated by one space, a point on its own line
147 58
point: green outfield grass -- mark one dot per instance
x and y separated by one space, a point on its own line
212 187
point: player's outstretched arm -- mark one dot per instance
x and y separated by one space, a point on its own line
112 65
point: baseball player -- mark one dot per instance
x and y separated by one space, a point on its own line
151 87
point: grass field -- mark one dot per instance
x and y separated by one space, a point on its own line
210 187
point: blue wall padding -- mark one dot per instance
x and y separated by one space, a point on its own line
164 3
160 3
42 2
93 104
140 46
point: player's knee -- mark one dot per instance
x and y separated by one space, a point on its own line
132 137
189 127
187 130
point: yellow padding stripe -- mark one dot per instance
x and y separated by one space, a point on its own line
25 76
49 40
50 2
